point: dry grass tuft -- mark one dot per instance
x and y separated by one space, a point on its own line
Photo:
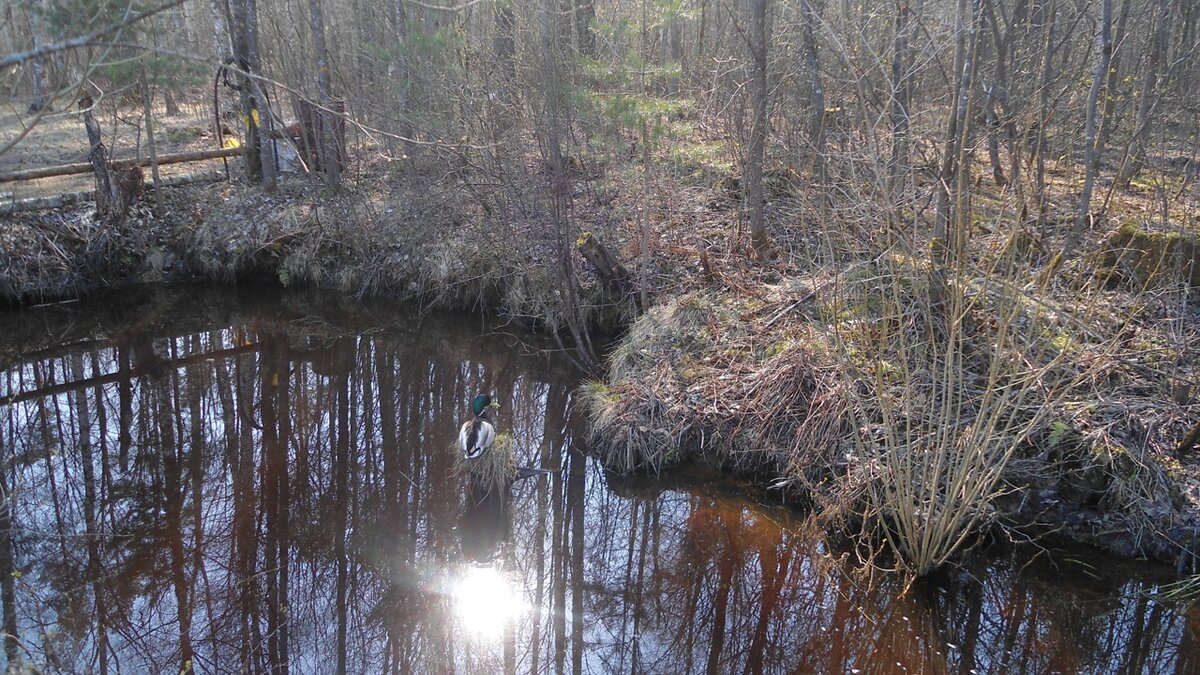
630 428
946 395
494 469
694 379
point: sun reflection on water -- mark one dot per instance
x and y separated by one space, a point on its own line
486 601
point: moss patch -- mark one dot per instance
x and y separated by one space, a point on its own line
1150 258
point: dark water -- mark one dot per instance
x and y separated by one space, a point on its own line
256 481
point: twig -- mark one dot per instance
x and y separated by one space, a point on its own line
84 40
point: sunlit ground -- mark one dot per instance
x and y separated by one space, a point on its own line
486 601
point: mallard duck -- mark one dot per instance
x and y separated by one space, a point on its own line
478 434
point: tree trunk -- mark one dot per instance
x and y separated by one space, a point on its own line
675 41
148 112
239 18
1043 120
98 156
902 65
1151 92
948 238
220 36
504 48
585 14
992 123
817 100
327 145
1091 157
962 169
399 73
505 45
171 104
1108 119
267 155
758 128
37 68
999 93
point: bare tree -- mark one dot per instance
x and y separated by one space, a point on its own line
1047 17
327 138
1149 95
901 95
244 25
1091 159
1120 46
954 178
811 17
758 126
584 15
220 35
37 67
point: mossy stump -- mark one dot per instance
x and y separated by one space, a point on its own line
1150 258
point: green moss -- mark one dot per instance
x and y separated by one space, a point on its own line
598 390
689 369
1149 182
779 348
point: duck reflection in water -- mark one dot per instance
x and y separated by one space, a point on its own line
486 523
486 599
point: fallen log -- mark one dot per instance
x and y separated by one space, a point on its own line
86 167
109 378
69 198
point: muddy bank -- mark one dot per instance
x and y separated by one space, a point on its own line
436 250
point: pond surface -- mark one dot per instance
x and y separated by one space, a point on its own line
260 481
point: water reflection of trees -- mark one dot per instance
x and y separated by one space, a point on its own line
280 496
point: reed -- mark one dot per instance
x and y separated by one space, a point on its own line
944 395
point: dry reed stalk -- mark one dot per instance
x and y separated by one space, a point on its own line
942 402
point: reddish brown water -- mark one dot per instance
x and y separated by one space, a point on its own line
261 481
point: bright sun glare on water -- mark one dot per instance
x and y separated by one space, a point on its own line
485 601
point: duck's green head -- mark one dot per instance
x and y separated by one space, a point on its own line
481 403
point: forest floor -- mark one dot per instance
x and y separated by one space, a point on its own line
773 366
59 138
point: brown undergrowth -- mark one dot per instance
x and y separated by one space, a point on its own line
434 249
917 423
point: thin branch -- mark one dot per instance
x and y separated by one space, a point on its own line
84 40
263 79
456 8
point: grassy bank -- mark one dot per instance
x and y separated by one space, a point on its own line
919 423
